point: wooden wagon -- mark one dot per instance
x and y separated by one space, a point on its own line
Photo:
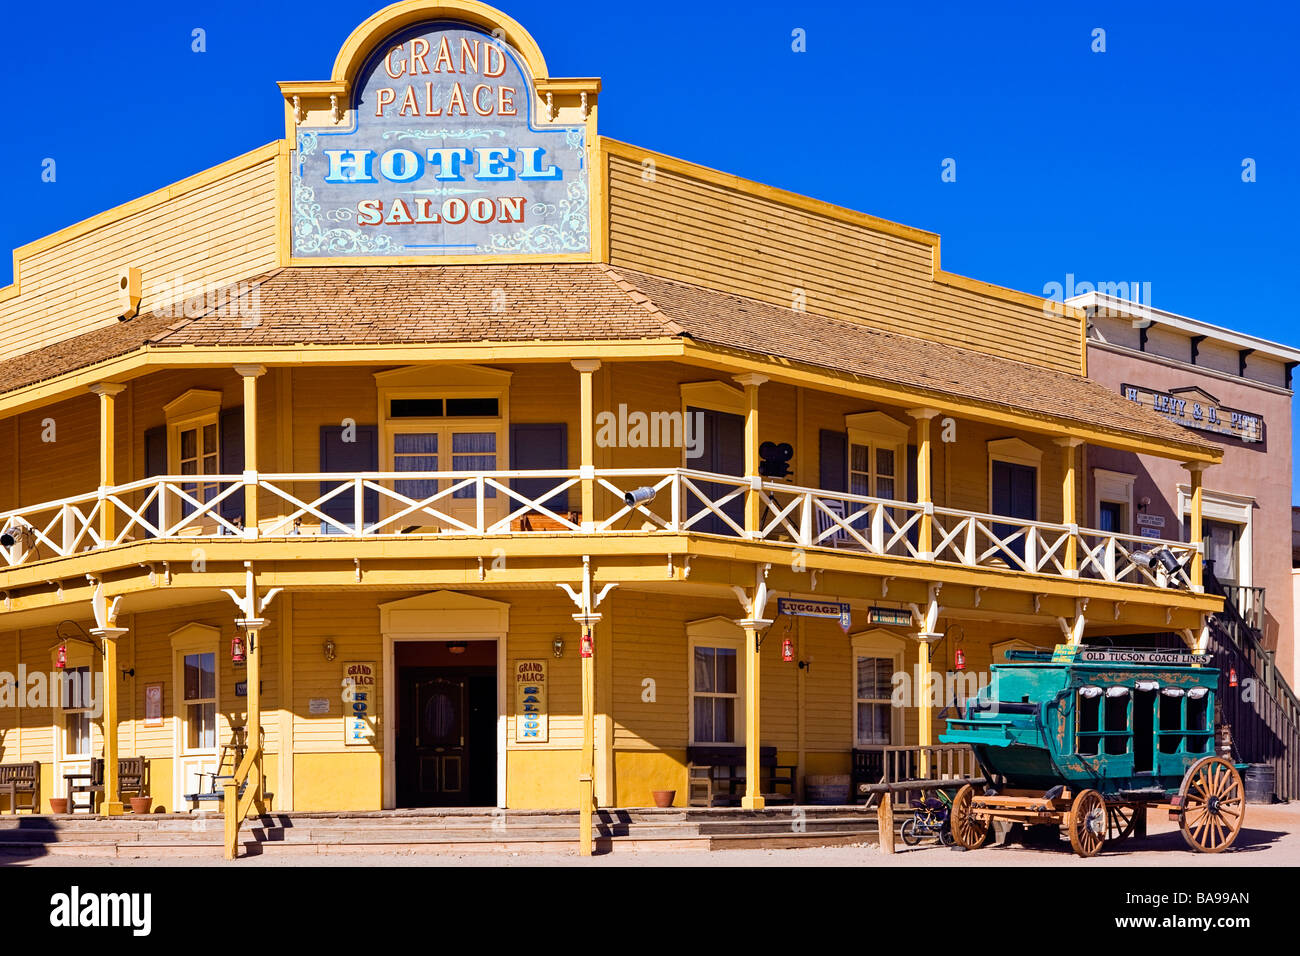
1090 738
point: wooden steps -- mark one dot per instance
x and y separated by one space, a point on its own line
456 831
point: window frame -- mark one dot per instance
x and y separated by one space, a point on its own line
445 384
718 632
188 640
1113 487
194 411
877 431
877 643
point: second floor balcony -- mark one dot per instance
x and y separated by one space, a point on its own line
417 507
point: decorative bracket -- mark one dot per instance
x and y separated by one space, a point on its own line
105 611
298 114
334 109
249 605
585 602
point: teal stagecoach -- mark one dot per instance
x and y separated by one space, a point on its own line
1087 737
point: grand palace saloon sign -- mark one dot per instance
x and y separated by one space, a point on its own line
444 157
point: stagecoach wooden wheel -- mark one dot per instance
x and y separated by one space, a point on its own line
1121 818
967 830
1088 823
1213 805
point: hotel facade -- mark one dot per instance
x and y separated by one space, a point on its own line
448 453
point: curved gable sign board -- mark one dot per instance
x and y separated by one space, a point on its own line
443 156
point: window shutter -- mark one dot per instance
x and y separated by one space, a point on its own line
155 464
232 460
539 448
833 449
337 455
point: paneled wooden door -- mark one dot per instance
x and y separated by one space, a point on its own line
445 744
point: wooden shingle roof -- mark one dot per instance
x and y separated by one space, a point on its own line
396 305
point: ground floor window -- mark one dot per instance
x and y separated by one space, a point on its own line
877 657
715 694
76 702
200 705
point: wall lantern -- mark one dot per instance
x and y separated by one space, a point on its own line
1232 677
959 662
558 646
61 659
237 649
330 649
585 648
787 650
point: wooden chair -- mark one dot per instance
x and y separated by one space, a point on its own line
132 780
21 778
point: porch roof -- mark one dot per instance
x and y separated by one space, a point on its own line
398 305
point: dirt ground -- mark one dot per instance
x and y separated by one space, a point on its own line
1270 837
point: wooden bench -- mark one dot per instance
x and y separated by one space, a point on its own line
715 776
21 778
132 779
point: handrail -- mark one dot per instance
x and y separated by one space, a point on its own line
236 802
375 505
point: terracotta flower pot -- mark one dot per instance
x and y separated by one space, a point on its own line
58 804
664 798
141 804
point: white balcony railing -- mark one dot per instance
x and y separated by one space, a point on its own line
391 504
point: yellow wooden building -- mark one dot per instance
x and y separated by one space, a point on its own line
490 445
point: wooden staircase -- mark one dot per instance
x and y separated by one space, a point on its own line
1265 729
458 831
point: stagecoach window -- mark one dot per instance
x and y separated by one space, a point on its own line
1087 721
1171 722
1117 728
1198 724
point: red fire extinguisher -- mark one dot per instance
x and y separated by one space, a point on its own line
1232 677
585 646
237 649
787 650
960 662
61 659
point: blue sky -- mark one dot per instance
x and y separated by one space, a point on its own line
1123 165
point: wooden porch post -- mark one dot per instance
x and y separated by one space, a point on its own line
250 374
1070 503
924 488
1196 469
751 382
753 798
587 472
252 629
107 392
108 636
